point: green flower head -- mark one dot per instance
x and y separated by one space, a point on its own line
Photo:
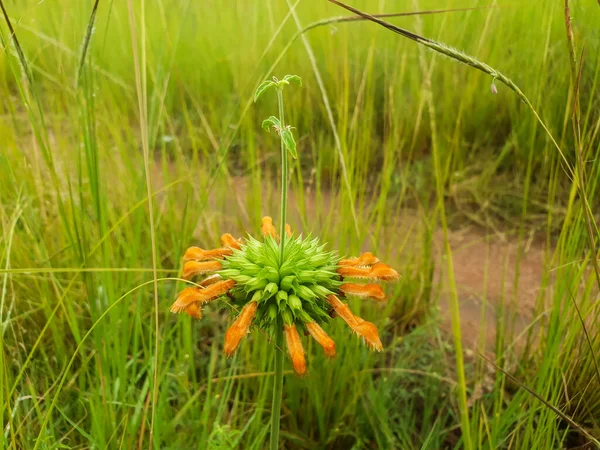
299 292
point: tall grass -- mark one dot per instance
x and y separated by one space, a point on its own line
113 163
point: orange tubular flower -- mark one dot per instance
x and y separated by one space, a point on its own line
193 268
321 337
354 272
373 291
227 240
199 295
369 333
210 280
342 310
267 227
379 271
194 310
198 254
295 349
366 259
239 328
288 230
384 272
361 327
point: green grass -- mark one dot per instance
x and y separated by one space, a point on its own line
115 166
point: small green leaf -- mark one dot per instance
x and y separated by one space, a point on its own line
264 86
294 79
271 122
289 142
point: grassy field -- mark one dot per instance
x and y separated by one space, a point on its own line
129 133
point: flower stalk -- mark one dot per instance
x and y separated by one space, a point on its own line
288 285
284 178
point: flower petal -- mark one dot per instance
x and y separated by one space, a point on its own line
369 333
239 328
193 268
321 337
198 254
185 298
361 327
210 280
194 310
384 272
267 227
342 310
295 349
288 230
366 259
199 295
354 272
216 289
373 291
227 240
379 271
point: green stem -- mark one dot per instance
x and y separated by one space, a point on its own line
284 173
277 391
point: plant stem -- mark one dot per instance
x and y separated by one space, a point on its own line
277 390
284 173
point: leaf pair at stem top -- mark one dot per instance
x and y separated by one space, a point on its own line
284 131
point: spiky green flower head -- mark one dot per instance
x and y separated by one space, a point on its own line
288 292
272 287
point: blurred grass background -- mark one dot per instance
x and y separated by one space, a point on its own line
76 253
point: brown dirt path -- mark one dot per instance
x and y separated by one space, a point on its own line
472 252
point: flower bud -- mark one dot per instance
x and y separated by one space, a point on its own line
294 302
281 296
193 268
295 349
321 337
239 328
286 283
373 291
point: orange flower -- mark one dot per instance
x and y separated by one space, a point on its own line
194 310
341 309
267 227
210 280
379 271
373 291
321 337
227 240
239 328
369 333
361 327
295 350
198 254
366 259
384 272
199 295
193 268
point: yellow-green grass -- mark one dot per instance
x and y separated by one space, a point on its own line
419 136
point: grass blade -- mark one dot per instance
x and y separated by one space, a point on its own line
557 411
